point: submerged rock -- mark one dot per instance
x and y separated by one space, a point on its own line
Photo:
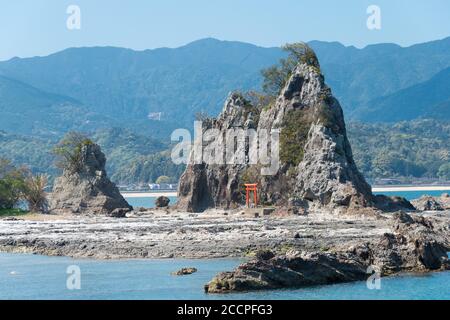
184 271
413 245
316 168
428 203
89 190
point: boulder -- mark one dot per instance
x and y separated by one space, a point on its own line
162 202
184 271
444 200
393 204
289 271
414 244
119 213
89 190
264 255
268 211
428 203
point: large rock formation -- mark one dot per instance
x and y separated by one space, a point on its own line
413 246
316 167
89 190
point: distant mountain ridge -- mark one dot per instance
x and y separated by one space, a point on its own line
358 76
128 85
430 99
106 86
31 111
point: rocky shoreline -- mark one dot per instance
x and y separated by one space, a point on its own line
414 244
316 222
163 233
327 248
171 234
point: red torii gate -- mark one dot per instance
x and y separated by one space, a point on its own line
251 187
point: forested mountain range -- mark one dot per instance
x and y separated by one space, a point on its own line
125 86
144 95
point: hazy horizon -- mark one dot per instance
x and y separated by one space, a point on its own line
223 40
40 28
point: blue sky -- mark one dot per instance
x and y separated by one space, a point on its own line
38 27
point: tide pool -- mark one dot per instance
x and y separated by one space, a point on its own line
25 276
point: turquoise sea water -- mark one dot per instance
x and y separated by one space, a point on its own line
411 195
39 277
147 202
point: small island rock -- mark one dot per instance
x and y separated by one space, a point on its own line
162 202
184 271
88 190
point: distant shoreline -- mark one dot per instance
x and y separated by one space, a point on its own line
410 188
152 194
149 194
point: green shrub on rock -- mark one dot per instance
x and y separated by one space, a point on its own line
69 150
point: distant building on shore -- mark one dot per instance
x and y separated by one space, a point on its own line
148 187
162 186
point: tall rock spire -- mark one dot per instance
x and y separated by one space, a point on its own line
88 190
316 167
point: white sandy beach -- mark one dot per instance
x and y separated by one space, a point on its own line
410 188
374 189
149 194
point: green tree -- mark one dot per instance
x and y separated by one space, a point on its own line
12 184
444 171
276 77
69 151
163 179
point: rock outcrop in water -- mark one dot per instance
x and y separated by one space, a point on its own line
413 245
316 167
162 202
428 203
89 190
184 271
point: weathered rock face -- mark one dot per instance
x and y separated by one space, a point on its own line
89 191
204 185
413 245
316 167
428 203
290 271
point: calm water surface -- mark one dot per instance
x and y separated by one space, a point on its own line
38 277
149 202
411 195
